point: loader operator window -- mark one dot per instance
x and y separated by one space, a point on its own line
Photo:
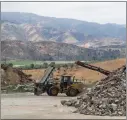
64 81
67 80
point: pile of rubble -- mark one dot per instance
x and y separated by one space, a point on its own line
12 75
107 97
13 79
18 88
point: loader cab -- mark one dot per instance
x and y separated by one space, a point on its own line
65 81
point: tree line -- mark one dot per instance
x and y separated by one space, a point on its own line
42 66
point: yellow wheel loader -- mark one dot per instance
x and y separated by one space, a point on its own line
66 85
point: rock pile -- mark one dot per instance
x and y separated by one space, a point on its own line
107 97
18 88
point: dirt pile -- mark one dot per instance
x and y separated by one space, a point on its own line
107 97
12 77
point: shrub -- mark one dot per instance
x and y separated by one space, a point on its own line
10 64
32 66
45 65
52 64
65 65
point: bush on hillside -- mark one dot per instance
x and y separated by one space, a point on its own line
52 64
45 65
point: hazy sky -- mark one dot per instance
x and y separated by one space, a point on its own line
101 12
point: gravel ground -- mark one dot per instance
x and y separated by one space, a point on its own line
28 106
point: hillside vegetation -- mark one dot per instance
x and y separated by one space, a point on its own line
52 51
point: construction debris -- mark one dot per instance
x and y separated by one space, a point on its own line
107 97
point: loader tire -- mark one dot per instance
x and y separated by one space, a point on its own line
53 91
67 93
72 92
48 92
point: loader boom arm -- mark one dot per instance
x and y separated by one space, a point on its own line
47 75
105 72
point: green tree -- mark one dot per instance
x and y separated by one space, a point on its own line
65 65
45 65
10 64
32 66
52 64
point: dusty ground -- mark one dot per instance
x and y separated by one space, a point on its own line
26 105
82 73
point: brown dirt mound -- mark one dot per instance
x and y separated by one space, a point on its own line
13 76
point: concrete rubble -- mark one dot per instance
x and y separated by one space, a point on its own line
106 98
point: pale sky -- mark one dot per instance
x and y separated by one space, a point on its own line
100 12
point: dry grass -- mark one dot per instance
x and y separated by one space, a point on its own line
81 73
36 73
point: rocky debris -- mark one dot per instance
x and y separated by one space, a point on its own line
18 88
63 102
3 75
25 88
106 98
55 106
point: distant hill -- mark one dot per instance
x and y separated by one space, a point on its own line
32 27
34 37
47 50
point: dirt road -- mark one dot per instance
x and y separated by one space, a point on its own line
26 105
